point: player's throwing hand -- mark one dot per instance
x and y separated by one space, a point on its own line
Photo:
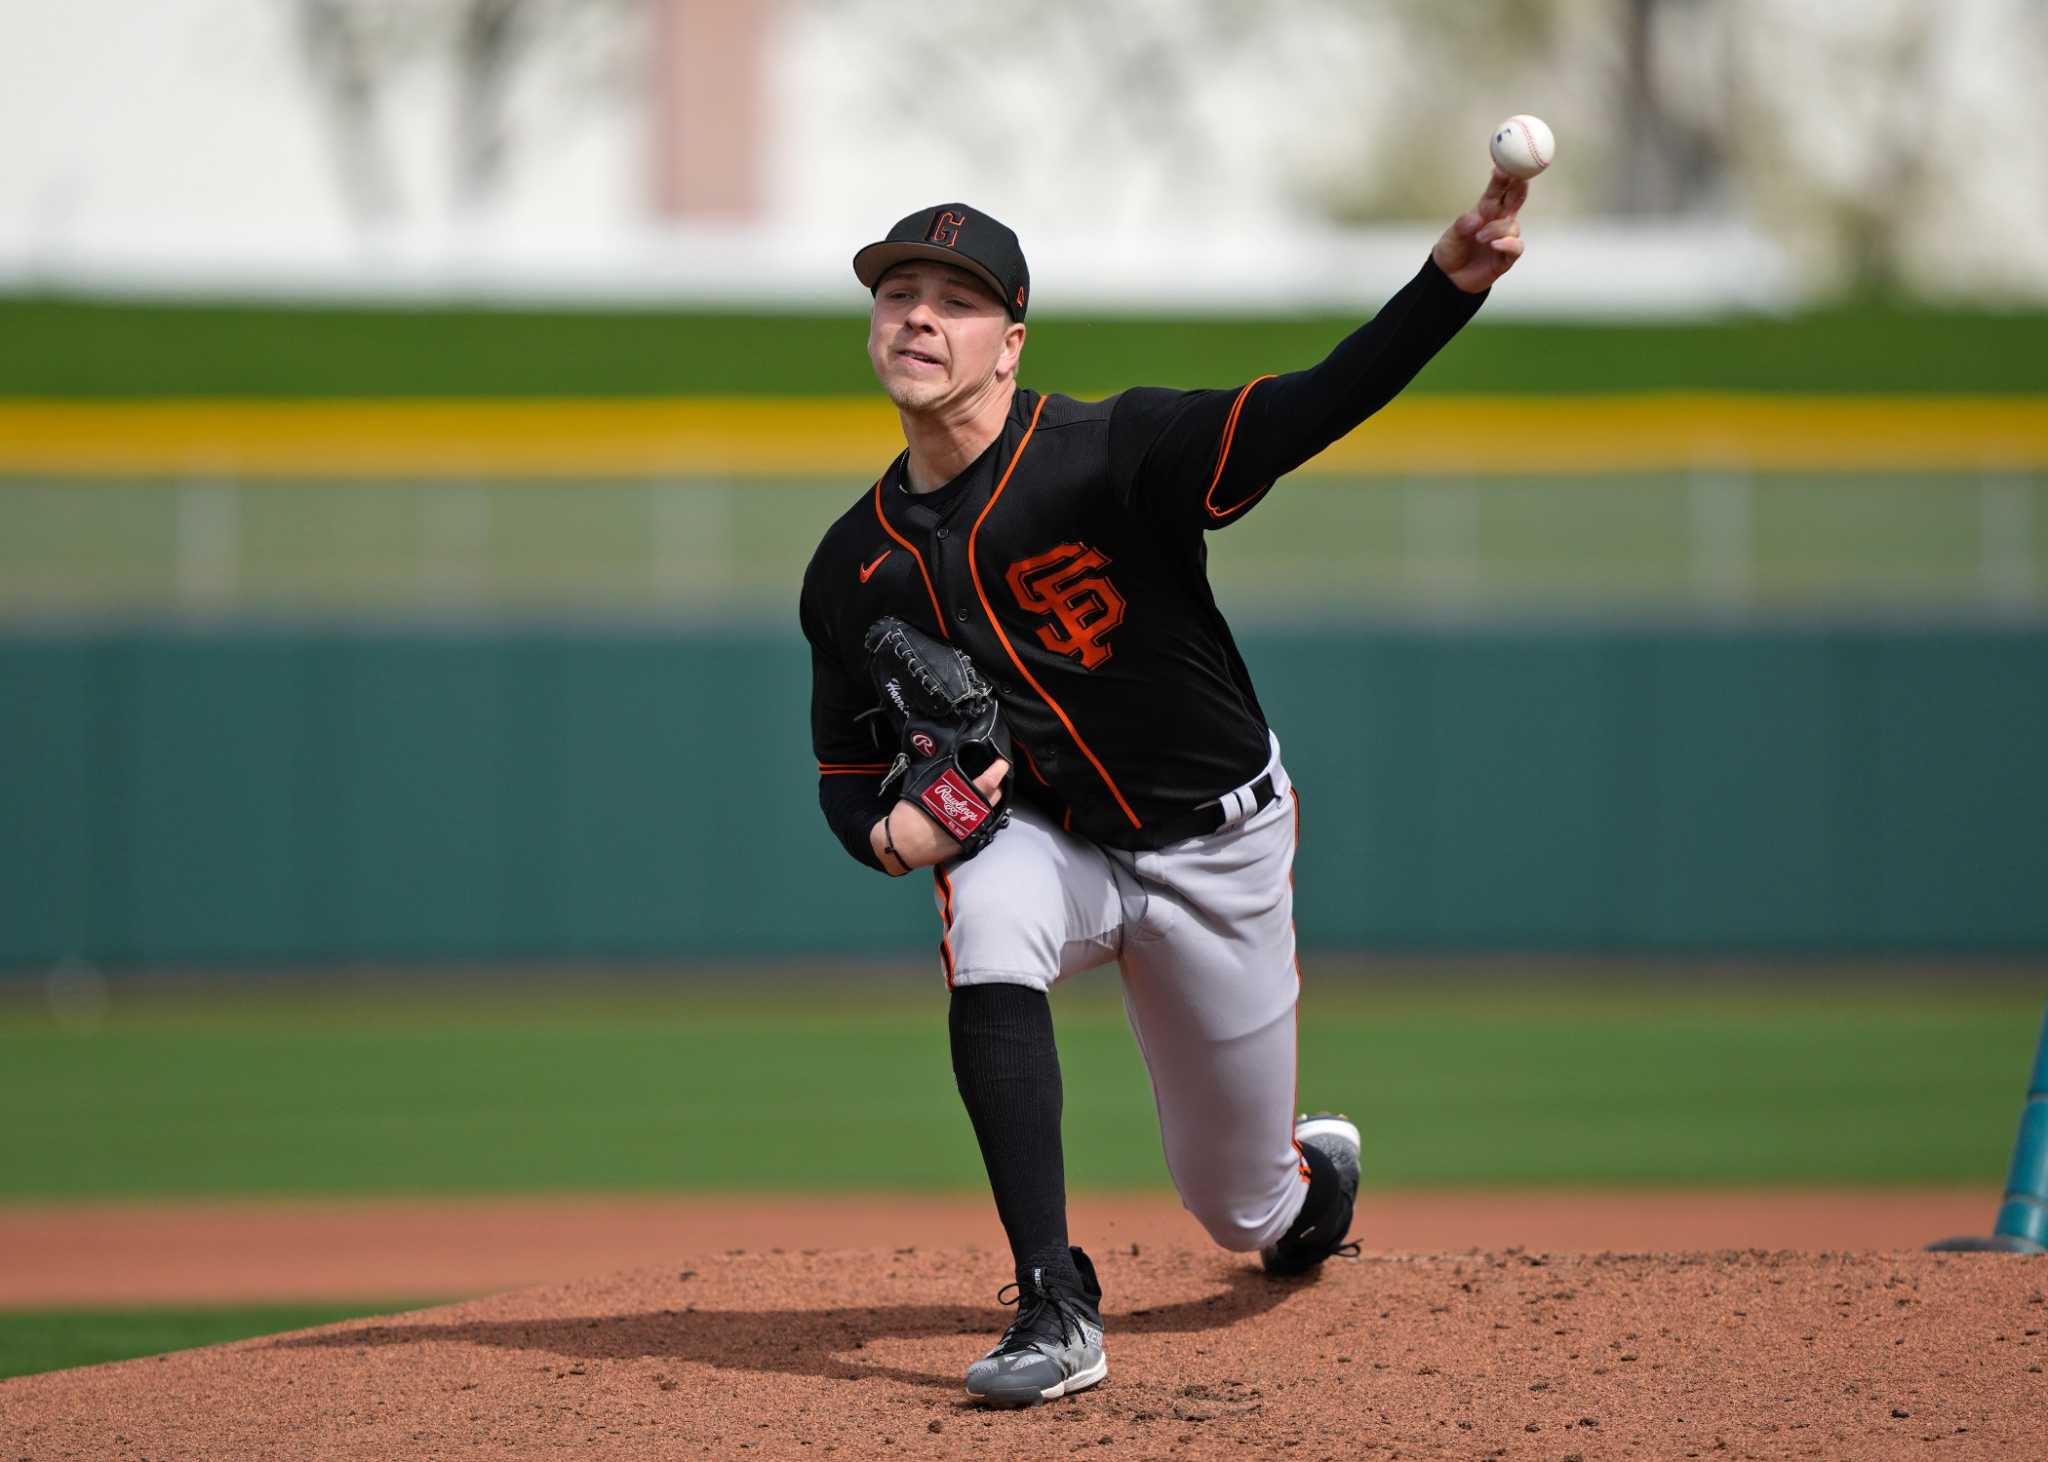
1483 243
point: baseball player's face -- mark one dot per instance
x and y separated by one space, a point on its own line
939 336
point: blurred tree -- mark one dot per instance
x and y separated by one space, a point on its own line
345 61
489 37
359 52
1637 88
1846 133
1671 159
1131 79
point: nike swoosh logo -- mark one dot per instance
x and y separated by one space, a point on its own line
867 570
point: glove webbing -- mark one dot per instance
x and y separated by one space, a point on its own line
912 665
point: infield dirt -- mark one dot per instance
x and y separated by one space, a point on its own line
214 1251
858 1353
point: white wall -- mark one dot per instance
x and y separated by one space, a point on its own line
179 145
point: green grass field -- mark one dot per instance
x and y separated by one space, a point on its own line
829 1086
843 1084
76 348
1787 541
56 1340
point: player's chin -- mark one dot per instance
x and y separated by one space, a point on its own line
911 394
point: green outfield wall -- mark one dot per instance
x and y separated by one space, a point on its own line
279 795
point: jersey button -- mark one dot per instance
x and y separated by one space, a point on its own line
943 532
961 615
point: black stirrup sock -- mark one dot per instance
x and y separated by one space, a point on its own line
1008 1072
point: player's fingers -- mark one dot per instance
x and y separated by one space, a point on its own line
1494 201
1499 228
1517 195
1510 246
990 782
1469 224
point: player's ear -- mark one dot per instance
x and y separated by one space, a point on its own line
1013 348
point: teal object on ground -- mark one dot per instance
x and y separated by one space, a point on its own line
2024 1214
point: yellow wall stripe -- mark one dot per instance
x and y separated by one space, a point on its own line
855 437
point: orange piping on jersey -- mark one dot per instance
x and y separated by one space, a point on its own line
938 614
1033 765
850 768
1223 456
1066 818
997 625
945 921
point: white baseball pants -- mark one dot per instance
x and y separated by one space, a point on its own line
1203 932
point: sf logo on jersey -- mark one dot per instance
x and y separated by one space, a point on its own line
1067 583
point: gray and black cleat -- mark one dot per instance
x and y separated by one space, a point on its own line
1054 1346
1333 1191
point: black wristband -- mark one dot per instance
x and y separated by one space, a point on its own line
889 842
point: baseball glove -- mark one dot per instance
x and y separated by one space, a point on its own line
949 730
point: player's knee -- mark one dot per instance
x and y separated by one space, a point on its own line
1228 1225
1002 943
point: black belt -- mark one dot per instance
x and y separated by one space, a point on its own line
1213 815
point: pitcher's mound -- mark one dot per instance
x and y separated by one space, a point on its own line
860 1354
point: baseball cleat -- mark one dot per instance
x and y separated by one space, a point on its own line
1326 1216
1054 1346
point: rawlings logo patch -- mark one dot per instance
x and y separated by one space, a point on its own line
957 806
924 745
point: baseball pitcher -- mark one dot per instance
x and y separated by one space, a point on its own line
1021 681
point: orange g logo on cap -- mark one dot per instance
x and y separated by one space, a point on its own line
959 235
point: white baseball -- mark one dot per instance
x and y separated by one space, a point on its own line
1523 146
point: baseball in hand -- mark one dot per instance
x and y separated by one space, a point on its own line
1523 146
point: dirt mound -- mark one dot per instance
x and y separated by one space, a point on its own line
859 1354
214 1251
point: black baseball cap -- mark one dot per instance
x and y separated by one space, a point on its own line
953 233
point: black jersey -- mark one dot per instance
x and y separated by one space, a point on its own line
1068 560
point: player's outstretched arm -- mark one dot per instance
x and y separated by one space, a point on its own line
918 841
1483 242
1204 458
